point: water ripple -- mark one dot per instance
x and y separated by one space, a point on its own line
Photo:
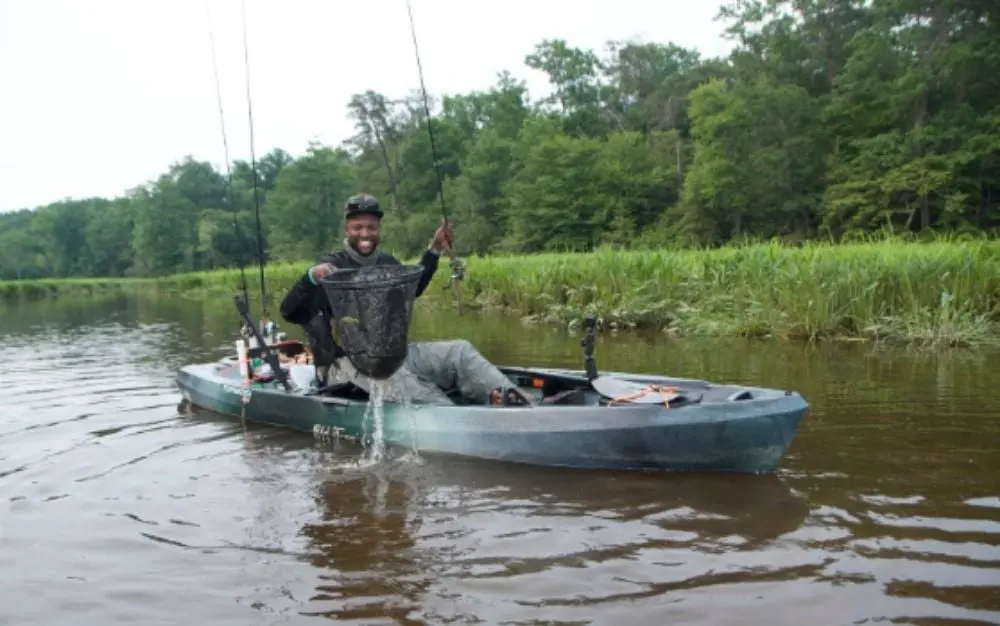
119 509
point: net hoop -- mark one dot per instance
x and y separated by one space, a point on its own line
371 309
373 277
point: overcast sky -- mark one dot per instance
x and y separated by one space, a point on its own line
102 95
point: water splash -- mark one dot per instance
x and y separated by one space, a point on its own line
373 422
408 408
372 433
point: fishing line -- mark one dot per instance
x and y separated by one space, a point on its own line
457 268
240 239
427 112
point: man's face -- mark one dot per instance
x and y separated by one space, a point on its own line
363 233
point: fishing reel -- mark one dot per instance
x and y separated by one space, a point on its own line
457 271
269 329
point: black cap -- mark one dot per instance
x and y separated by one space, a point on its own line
361 204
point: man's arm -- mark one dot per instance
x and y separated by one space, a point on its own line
430 263
296 307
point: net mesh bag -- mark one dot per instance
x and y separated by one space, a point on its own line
371 310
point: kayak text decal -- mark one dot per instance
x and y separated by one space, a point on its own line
334 433
243 392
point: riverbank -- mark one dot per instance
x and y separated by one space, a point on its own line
939 293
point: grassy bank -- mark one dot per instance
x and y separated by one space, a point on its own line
12 291
939 293
936 293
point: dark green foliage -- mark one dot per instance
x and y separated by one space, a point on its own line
831 118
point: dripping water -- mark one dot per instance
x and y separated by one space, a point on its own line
408 408
412 452
372 426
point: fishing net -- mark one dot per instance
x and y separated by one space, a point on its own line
371 310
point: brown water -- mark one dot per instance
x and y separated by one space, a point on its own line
119 510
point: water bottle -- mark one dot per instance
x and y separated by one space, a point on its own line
241 353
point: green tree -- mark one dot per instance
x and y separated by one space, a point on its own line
828 118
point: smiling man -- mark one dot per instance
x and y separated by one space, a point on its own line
430 367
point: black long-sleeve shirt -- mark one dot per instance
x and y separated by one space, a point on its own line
305 303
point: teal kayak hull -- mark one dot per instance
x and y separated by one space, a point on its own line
718 428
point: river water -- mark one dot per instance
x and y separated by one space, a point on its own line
119 509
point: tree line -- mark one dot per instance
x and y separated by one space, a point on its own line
829 118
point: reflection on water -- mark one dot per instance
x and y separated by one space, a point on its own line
121 510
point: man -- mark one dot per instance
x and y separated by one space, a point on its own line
430 367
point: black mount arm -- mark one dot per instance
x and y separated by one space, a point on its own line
589 325
269 356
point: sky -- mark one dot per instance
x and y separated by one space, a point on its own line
102 95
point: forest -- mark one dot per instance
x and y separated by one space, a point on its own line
830 118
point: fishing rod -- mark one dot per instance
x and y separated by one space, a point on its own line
457 268
253 162
253 167
243 300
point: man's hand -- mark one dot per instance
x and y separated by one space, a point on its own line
321 271
442 237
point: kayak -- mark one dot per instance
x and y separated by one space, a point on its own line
611 421
578 418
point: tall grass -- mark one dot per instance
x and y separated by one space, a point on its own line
942 292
